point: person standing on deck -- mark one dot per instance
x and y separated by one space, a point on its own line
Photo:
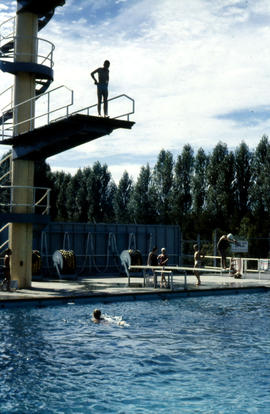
222 245
162 261
7 277
102 86
152 257
198 256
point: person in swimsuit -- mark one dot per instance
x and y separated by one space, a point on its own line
96 316
162 261
198 256
152 257
102 86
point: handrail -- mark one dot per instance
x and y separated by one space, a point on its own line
39 40
1 162
111 99
4 227
47 113
11 34
34 203
5 159
10 104
4 244
7 241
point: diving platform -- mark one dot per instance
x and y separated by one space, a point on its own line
61 135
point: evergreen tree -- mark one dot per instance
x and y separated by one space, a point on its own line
81 197
71 191
260 167
61 182
143 200
181 194
243 159
163 182
121 199
100 192
220 195
199 182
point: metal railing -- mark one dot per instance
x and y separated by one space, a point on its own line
8 157
127 114
50 114
8 106
9 31
9 131
45 207
7 241
7 35
41 58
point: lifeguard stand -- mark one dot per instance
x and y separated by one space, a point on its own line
36 136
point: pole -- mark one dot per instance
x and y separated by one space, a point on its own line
21 234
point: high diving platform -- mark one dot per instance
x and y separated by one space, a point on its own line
62 135
54 130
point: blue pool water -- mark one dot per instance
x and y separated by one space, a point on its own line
186 355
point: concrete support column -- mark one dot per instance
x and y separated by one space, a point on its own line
21 237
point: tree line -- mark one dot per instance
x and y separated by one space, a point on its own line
223 189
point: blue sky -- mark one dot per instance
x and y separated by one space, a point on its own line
198 71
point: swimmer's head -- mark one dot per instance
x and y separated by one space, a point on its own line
163 250
97 314
195 247
106 64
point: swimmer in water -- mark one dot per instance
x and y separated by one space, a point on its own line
97 316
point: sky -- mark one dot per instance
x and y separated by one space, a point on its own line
198 70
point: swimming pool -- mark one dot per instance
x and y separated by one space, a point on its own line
186 355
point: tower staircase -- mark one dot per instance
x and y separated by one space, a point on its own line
42 70
52 131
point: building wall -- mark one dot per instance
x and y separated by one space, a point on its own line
97 246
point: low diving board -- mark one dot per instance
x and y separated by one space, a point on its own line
62 135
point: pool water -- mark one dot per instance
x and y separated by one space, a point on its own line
185 355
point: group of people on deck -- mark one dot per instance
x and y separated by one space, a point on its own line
162 259
158 260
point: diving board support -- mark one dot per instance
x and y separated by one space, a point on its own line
21 234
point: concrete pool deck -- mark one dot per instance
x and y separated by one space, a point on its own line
105 286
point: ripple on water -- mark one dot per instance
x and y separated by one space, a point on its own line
176 356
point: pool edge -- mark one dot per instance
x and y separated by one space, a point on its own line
126 296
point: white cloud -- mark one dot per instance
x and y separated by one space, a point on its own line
184 63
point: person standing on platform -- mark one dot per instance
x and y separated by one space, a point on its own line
152 257
7 277
198 256
162 261
152 260
223 244
102 86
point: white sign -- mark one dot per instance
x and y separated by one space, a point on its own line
241 246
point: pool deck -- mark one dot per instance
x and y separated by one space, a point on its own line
110 287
